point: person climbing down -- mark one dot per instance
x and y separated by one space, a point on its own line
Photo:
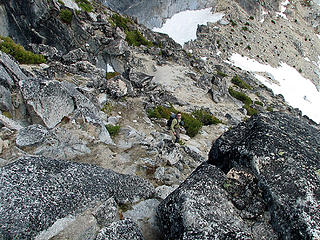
175 127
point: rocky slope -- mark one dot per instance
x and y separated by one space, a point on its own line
63 176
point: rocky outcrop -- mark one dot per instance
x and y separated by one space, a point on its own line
152 13
37 191
269 188
283 153
201 209
121 230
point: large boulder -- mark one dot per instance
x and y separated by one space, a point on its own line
283 153
121 230
47 101
36 191
201 209
10 72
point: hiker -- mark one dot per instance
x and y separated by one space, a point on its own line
175 127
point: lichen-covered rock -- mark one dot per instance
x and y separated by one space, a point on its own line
47 101
31 135
121 230
107 213
200 209
283 152
10 72
117 87
5 100
36 191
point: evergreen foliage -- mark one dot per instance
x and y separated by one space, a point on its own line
23 56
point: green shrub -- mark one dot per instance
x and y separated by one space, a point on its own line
205 117
270 109
222 74
61 2
85 5
251 17
250 111
113 130
240 96
7 114
233 23
110 75
248 47
240 83
161 112
8 46
191 124
245 28
66 16
121 22
135 38
107 108
258 103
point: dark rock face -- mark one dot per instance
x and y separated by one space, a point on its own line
283 153
200 209
36 191
35 22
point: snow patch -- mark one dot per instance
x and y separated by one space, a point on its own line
182 27
298 91
71 4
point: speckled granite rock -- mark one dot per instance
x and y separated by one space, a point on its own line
121 230
283 152
200 209
36 191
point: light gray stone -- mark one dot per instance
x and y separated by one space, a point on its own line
107 213
37 191
121 230
31 135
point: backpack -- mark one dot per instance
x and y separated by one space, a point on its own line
172 116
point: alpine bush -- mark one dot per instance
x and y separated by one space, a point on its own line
66 16
240 83
205 117
85 5
191 124
161 112
113 130
133 37
23 56
110 75
240 96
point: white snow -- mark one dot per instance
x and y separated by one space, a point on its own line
283 8
297 91
110 68
71 4
182 26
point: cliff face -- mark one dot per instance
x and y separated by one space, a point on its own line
35 22
153 13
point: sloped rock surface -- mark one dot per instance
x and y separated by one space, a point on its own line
283 153
200 209
36 191
47 101
121 230
10 72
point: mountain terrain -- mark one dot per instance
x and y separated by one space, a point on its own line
85 151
